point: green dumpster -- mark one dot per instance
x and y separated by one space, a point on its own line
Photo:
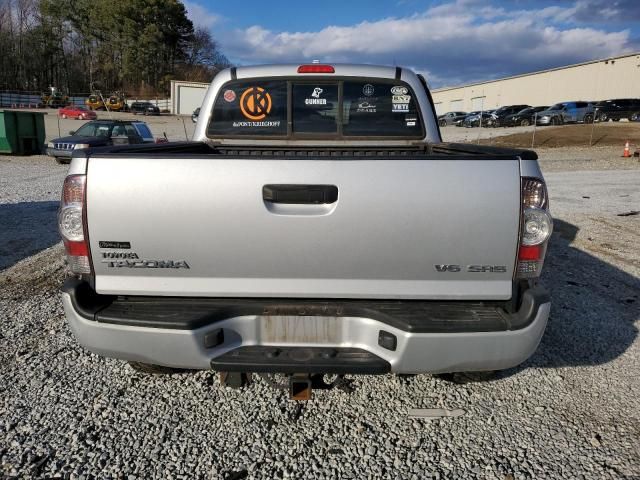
21 133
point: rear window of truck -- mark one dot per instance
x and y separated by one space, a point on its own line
293 108
379 109
250 108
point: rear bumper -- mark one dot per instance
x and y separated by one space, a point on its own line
229 334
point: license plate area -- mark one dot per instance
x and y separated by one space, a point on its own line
300 329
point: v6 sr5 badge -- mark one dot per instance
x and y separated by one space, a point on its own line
471 268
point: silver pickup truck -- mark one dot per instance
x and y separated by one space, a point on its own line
317 224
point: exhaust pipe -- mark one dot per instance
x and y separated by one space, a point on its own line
300 386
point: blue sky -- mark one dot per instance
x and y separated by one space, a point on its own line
451 41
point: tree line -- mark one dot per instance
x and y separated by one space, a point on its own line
136 46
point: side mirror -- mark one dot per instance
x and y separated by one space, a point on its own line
72 132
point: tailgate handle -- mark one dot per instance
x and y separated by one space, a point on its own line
300 194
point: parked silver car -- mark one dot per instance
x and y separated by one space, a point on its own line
567 112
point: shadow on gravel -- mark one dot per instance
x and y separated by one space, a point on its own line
26 228
594 307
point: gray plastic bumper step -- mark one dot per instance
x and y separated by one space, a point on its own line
271 359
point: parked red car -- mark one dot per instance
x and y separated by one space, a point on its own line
77 111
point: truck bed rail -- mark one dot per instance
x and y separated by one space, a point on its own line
427 151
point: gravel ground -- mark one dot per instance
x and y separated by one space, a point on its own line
571 411
29 195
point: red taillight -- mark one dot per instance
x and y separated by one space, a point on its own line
76 249
316 68
529 252
536 225
72 225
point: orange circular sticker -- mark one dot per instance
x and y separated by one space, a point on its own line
255 103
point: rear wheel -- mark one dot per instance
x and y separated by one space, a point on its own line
443 123
555 121
524 122
588 118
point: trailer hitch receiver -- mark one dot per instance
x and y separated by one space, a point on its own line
300 386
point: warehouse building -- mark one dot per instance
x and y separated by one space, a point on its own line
186 96
616 77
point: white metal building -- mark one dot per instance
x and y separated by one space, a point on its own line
186 96
616 77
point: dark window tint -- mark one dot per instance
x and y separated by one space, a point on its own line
315 108
95 130
250 108
119 131
130 131
377 108
581 104
143 130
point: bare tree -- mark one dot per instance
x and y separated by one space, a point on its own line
203 57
